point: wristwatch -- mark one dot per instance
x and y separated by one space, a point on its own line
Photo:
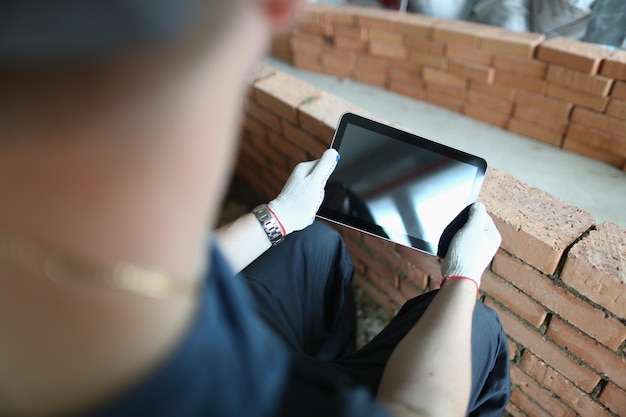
269 223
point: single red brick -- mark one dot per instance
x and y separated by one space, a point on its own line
432 75
375 18
617 108
528 406
590 84
593 153
558 108
406 65
513 410
266 118
489 102
445 101
280 47
599 121
294 153
486 115
412 78
531 389
350 32
460 32
348 44
571 395
282 94
495 91
417 92
468 54
316 28
305 141
596 267
386 36
381 19
344 59
535 226
596 139
472 71
613 397
426 46
580 56
307 61
521 82
388 50
254 126
615 66
336 70
371 64
525 66
582 99
535 131
251 152
605 329
512 349
619 90
414 25
595 355
306 43
431 60
451 92
540 118
514 299
547 351
503 41
371 78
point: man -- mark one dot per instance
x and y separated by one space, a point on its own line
119 123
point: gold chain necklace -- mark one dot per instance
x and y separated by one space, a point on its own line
124 276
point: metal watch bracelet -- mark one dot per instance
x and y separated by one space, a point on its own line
269 223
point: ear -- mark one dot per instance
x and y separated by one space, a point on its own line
281 13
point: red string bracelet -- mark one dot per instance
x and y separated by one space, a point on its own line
282 228
459 277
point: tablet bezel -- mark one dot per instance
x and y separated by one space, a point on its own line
400 135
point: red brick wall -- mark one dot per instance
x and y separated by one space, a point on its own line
567 93
558 281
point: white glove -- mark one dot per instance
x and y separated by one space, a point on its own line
302 195
472 247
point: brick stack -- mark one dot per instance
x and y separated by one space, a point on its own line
557 281
566 93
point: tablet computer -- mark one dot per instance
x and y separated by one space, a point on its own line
399 186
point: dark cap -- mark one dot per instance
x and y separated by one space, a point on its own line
43 32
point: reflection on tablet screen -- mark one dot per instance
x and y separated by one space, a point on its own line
399 191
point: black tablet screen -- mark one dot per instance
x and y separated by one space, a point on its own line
403 188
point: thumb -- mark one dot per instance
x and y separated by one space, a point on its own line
325 165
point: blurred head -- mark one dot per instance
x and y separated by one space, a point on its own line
123 114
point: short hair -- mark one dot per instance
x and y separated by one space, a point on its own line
59 58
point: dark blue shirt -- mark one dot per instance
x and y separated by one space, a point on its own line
231 364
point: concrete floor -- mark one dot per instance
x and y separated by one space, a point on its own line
588 184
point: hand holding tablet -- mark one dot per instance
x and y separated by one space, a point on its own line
399 186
